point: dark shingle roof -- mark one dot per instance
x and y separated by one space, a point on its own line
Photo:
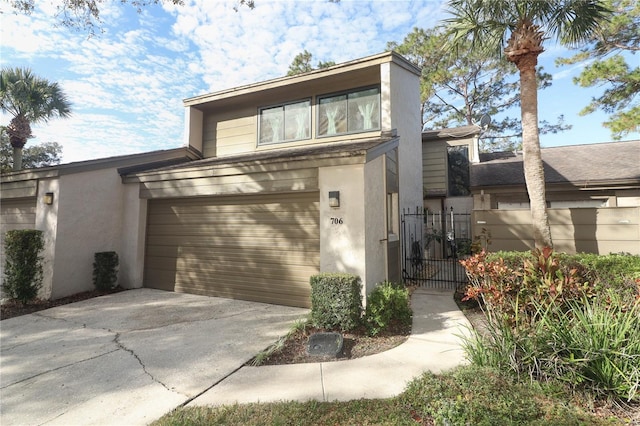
603 162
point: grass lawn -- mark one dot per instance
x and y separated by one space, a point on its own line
466 395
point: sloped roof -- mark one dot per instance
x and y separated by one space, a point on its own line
451 133
613 162
367 147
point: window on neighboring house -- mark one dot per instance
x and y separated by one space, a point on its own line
285 123
355 111
458 170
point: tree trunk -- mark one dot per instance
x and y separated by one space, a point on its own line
17 159
533 169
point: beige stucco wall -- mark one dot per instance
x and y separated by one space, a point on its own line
592 230
400 93
193 127
375 223
46 221
90 206
342 245
134 222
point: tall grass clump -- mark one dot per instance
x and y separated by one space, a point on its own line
553 316
595 343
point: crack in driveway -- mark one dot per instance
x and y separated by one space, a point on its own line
59 368
120 345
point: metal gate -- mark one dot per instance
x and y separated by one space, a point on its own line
432 245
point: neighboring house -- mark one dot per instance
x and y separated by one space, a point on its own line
447 154
82 208
447 202
592 191
297 175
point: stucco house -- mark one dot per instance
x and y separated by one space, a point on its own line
82 208
592 191
278 180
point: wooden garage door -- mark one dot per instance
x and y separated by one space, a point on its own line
259 247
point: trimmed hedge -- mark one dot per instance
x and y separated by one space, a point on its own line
336 301
23 264
105 270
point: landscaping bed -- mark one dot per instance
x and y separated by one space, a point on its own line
13 308
293 348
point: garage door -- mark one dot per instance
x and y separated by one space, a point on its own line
15 214
262 248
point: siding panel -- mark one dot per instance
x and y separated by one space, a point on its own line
261 247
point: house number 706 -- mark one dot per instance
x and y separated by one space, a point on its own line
336 221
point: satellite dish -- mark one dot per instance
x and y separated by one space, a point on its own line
485 120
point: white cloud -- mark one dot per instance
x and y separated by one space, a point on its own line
127 85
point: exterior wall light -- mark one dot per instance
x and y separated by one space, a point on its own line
334 198
48 198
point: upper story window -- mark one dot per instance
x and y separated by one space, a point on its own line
354 111
285 122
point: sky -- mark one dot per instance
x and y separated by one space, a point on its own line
127 84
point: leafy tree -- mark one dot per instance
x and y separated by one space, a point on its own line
29 99
302 63
526 23
608 67
457 90
43 155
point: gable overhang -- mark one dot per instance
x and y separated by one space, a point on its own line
355 73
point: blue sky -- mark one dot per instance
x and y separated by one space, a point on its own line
127 84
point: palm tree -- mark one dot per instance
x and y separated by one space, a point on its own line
29 99
527 24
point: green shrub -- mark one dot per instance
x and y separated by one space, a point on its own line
23 264
387 305
336 301
574 318
105 270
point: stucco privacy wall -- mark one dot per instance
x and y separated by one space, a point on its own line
89 219
592 230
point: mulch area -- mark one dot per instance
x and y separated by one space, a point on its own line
13 308
356 344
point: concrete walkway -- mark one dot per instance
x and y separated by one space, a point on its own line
434 345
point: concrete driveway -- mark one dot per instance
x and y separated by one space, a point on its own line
127 358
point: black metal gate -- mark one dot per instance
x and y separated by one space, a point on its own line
432 245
